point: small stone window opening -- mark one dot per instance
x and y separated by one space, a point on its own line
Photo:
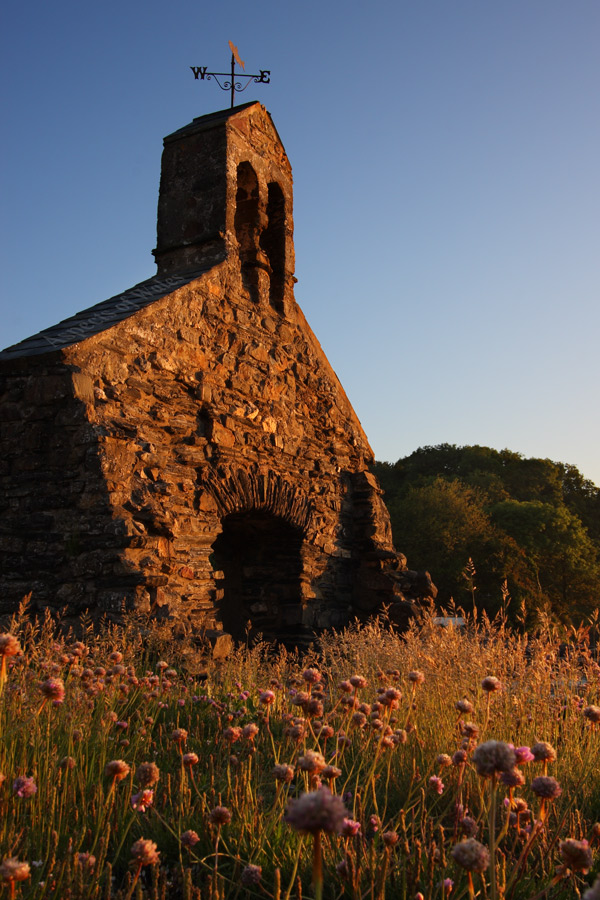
260 556
247 228
273 243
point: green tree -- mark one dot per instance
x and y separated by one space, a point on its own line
533 522
440 525
558 550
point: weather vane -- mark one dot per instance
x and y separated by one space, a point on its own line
232 85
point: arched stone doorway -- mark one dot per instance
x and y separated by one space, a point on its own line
259 556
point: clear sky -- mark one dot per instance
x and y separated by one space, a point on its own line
447 196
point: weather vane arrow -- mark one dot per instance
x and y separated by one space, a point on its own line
264 77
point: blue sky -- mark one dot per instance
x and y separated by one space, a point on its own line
447 191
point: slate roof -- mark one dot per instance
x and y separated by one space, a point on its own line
98 318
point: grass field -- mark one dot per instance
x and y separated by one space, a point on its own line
375 765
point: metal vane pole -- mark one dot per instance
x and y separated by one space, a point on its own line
264 76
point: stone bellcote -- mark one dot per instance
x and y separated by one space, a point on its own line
226 188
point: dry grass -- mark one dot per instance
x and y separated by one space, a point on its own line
77 831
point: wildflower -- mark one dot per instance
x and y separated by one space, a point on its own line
219 816
53 689
9 646
296 732
390 838
190 759
311 676
345 687
24 787
524 755
283 772
416 677
12 870
358 682
331 772
391 697
117 769
179 735
492 757
443 760
512 779
436 784
469 730
490 684
250 731
147 774
326 732
546 787
471 855
67 762
342 869
400 736
232 733
350 828
189 839
312 762
86 860
314 707
300 698
464 707
469 826
316 811
266 698
543 752
577 855
592 713
116 657
142 800
251 875
145 853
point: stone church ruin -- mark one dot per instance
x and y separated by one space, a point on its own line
185 448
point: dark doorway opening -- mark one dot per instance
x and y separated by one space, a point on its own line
260 556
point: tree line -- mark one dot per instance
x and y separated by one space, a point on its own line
499 530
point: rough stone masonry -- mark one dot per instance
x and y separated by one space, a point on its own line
185 448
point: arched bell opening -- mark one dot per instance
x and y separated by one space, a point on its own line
260 558
247 227
273 242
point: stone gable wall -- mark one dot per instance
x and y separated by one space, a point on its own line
199 459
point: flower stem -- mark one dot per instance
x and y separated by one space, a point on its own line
317 875
492 839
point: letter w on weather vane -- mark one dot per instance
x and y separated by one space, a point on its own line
231 84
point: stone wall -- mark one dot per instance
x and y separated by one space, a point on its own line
199 459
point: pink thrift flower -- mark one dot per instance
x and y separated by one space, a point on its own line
436 784
316 811
523 755
142 801
24 787
350 828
